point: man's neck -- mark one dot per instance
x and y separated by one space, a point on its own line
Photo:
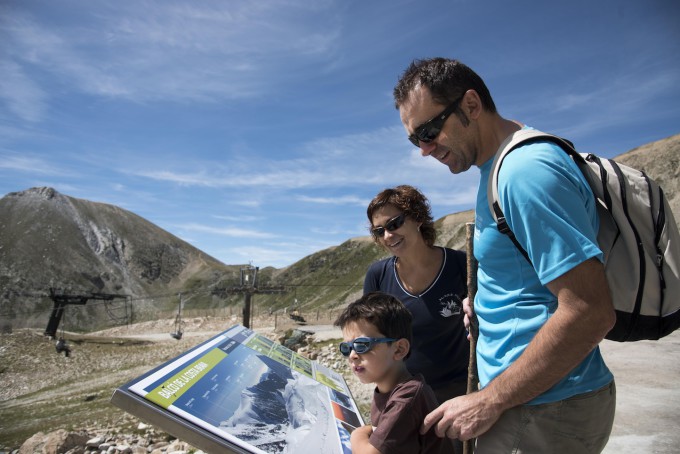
496 131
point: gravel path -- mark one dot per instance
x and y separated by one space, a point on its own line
35 378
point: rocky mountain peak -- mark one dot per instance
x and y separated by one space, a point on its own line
48 239
44 192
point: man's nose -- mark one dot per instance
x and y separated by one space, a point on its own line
427 148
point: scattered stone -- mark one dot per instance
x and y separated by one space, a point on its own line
94 443
104 442
33 444
127 435
57 442
295 339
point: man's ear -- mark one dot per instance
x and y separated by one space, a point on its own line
471 104
402 348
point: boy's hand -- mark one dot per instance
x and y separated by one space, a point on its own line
359 441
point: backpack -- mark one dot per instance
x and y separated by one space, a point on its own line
638 236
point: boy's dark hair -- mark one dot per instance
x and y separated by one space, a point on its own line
385 312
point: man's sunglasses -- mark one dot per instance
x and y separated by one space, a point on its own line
391 225
362 344
429 130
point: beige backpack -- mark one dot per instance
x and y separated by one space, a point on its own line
638 235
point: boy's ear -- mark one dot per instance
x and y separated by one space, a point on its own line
402 348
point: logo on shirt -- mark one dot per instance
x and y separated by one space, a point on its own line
450 305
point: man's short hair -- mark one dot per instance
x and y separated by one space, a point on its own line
446 79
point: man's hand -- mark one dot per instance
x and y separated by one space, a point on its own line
583 317
463 417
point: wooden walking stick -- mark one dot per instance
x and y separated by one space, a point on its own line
473 378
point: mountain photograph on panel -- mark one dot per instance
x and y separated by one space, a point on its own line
243 392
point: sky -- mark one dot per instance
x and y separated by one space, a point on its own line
259 131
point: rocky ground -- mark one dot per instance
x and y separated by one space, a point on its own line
50 403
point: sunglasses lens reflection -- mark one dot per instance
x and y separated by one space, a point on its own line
395 223
429 134
362 347
429 130
359 346
391 225
345 348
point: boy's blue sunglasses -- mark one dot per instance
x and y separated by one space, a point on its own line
362 344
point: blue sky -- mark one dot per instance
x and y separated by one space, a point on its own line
259 130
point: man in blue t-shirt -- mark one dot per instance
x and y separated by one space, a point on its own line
544 384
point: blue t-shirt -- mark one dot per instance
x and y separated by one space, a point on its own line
551 210
440 349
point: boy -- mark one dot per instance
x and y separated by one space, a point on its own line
377 333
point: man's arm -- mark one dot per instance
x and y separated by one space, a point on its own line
583 317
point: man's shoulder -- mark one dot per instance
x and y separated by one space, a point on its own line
536 150
543 160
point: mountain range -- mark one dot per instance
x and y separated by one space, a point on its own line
49 240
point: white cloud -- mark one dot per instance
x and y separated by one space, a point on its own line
585 106
238 218
373 159
28 164
174 50
23 97
342 200
276 254
225 231
258 255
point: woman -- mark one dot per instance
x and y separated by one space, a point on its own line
431 282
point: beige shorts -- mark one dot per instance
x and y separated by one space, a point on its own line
580 424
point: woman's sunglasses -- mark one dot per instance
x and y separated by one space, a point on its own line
391 225
362 344
429 130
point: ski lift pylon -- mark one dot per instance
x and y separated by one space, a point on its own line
177 334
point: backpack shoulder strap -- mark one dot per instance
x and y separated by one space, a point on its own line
514 140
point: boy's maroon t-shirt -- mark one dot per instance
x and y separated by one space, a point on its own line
397 417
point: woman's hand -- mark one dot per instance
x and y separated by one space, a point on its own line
470 319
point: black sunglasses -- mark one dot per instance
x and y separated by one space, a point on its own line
391 225
429 130
362 344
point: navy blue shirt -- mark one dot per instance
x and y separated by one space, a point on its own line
440 349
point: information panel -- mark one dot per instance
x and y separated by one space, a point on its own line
242 392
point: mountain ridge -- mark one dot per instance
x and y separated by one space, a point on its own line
48 240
